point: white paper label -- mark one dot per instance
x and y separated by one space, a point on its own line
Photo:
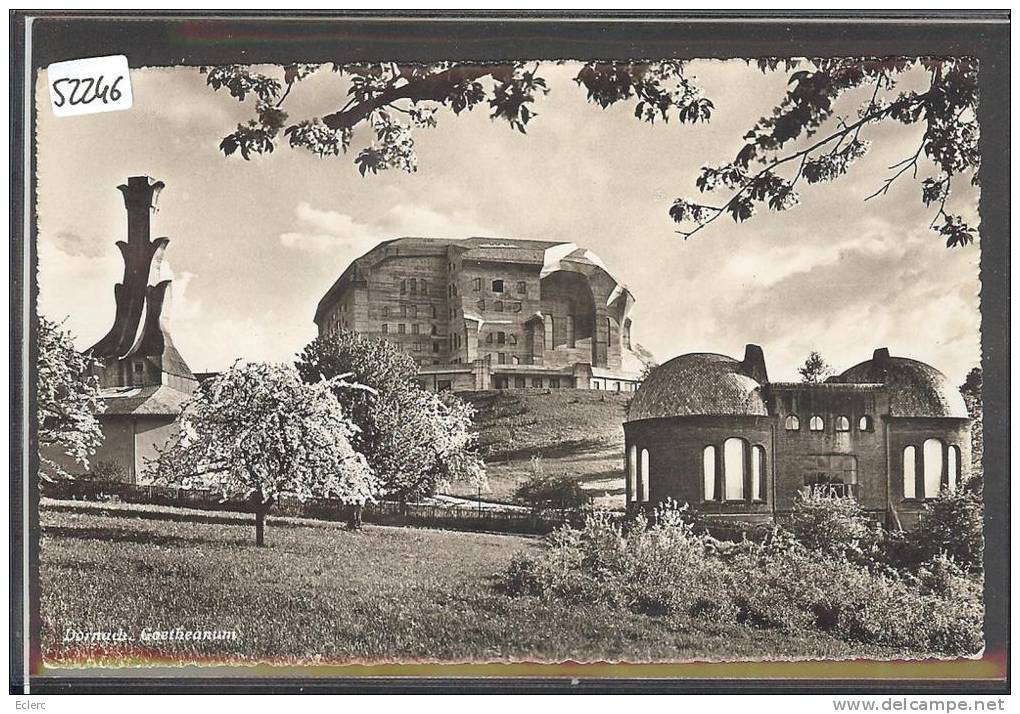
89 86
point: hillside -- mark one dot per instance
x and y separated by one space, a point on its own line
575 431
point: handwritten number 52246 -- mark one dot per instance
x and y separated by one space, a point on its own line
85 91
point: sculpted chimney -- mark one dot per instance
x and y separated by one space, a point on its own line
754 364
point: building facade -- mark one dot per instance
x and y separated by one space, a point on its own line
712 431
145 381
484 313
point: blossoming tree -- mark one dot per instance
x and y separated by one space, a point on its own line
257 431
67 402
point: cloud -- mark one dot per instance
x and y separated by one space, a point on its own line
340 234
73 243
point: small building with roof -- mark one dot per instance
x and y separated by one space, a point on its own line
713 431
144 380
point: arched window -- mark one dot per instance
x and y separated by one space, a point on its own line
865 423
954 467
909 472
792 423
632 467
932 452
733 469
842 423
708 473
816 423
643 485
757 472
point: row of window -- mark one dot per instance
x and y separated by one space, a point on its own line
817 423
411 311
414 286
500 306
499 286
536 382
500 338
739 475
938 465
415 329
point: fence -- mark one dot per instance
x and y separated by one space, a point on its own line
430 515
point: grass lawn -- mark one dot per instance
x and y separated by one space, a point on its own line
575 431
321 593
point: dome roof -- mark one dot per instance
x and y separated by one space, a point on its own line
698 384
915 389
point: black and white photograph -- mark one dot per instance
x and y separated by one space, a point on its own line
345 365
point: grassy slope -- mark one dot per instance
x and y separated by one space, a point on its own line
578 432
320 593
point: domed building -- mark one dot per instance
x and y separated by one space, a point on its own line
713 431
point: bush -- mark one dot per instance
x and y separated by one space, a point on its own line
833 525
541 490
663 567
953 524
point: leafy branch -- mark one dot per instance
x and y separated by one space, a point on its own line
950 140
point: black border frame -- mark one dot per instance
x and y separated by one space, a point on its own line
164 38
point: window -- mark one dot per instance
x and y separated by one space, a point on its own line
954 467
511 339
139 368
708 473
932 454
519 382
554 382
816 423
433 330
499 306
433 312
403 310
403 287
501 338
424 287
385 311
514 359
401 328
909 472
757 472
547 328
733 469
497 286
414 311
516 307
385 328
792 423
536 382
609 331
417 346
522 287
488 338
632 468
842 423
643 481
414 286
502 358
865 424
477 284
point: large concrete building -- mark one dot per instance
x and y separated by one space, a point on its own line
144 380
488 313
712 431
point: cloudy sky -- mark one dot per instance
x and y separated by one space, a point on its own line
255 244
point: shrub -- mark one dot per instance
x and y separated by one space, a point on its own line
541 490
662 566
953 524
833 525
